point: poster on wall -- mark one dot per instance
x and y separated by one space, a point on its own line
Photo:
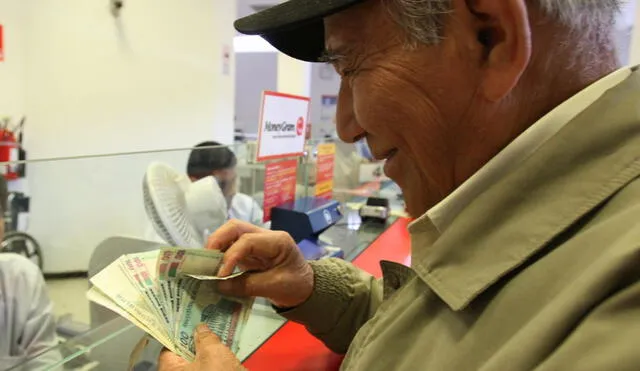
324 170
279 185
1 43
329 104
282 125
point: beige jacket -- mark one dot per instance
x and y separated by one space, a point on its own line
541 271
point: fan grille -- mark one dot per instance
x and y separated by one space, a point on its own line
167 207
152 213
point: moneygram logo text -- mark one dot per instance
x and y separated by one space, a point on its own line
284 129
280 126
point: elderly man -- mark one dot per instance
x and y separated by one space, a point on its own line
513 133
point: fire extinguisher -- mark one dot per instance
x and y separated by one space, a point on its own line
10 150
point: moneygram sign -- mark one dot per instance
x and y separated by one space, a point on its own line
282 125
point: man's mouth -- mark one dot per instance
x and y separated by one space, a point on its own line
391 154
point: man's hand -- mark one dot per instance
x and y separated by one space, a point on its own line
211 355
281 273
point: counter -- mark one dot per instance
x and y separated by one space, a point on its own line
269 342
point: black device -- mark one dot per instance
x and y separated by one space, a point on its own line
304 220
375 210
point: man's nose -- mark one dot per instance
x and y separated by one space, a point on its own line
347 125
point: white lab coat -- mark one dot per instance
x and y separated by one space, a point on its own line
27 322
243 207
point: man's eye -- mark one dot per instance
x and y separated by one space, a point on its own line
343 72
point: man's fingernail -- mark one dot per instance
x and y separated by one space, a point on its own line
202 329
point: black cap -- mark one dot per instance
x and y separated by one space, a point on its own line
294 27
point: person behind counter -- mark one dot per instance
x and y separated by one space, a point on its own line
515 138
212 158
27 322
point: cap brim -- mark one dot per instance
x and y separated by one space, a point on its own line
296 27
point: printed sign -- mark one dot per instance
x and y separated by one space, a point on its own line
279 185
1 44
324 170
282 125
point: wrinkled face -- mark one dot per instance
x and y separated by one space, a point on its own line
426 109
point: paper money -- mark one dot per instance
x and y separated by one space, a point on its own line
167 265
95 295
191 261
224 316
142 277
201 277
168 292
114 283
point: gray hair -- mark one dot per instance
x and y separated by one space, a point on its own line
424 19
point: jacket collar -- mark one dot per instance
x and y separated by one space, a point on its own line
522 147
593 156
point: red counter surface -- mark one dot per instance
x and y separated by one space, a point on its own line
293 348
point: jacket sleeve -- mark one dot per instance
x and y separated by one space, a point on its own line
39 328
28 312
606 339
343 299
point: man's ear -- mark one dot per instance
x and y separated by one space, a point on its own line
505 35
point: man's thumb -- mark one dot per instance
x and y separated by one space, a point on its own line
211 353
205 340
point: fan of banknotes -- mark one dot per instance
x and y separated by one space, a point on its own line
168 292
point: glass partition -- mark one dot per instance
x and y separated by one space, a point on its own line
84 212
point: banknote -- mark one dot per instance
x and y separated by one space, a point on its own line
188 288
168 292
150 260
144 278
224 316
113 284
167 265
190 261
95 295
202 277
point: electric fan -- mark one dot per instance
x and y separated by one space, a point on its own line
183 213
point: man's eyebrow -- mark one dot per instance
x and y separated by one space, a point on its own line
331 56
339 53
